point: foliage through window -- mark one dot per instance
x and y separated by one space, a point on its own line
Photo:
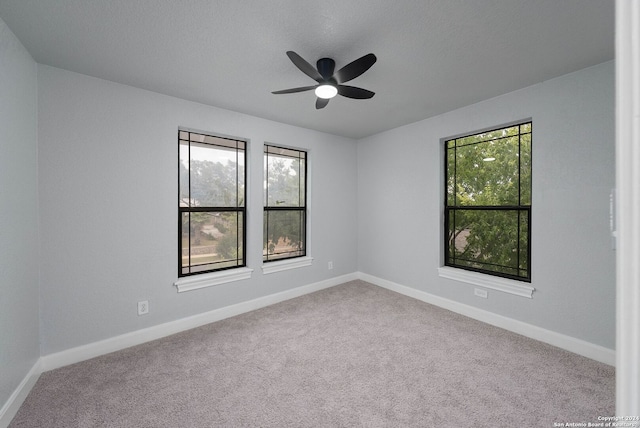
488 202
211 203
285 195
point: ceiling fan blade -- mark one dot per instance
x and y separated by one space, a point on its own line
294 90
353 92
355 68
321 103
304 66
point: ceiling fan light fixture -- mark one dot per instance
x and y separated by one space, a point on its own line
326 91
330 83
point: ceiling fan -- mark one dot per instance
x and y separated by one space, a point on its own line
330 84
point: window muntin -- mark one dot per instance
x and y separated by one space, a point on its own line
488 202
285 200
211 203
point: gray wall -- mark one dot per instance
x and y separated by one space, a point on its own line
19 304
108 201
400 203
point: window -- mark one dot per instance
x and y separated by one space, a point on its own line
285 196
211 203
488 202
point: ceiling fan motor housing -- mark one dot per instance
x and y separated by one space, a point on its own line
326 67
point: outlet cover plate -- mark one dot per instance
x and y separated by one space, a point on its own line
481 293
143 307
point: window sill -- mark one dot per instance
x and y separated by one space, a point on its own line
210 279
273 267
487 281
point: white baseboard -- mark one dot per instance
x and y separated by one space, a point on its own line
96 349
10 408
568 343
85 352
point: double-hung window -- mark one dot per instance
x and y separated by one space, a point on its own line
285 203
211 203
488 202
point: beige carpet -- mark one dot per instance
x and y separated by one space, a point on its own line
354 355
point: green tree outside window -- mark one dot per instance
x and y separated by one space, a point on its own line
488 202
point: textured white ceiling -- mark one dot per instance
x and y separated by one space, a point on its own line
433 55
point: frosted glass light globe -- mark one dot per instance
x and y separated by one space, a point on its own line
326 91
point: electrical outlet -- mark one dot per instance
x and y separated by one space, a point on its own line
481 293
143 307
330 265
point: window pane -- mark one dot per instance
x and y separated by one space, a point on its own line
284 234
184 239
525 169
456 239
184 174
487 136
302 170
523 262
285 181
292 153
487 173
217 176
451 177
212 240
488 240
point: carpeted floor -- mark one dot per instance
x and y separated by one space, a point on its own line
354 355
